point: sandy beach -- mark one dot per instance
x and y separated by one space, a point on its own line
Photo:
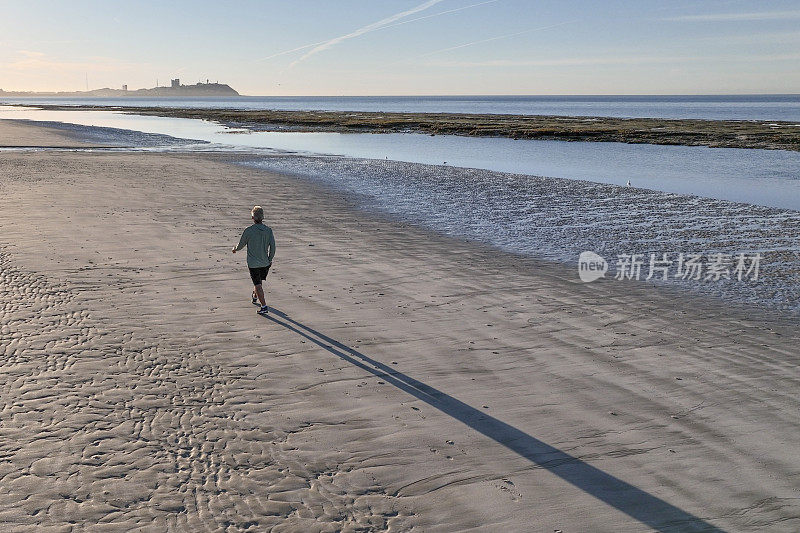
404 381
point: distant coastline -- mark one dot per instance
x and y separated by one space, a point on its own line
175 89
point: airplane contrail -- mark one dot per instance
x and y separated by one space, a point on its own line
506 36
455 10
440 13
290 51
365 29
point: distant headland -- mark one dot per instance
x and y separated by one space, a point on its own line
175 89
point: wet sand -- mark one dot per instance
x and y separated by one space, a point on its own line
403 381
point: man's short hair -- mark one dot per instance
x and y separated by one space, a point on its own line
258 213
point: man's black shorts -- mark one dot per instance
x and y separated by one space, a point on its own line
259 274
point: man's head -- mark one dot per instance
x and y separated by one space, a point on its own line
258 214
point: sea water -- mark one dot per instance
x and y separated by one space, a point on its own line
709 107
762 177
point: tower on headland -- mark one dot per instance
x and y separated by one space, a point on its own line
174 89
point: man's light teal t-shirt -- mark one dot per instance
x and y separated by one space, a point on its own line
260 244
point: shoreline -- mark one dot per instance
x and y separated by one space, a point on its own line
407 381
749 134
775 237
564 219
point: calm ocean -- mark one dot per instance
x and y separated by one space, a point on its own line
737 107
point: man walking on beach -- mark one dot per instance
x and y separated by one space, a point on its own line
260 244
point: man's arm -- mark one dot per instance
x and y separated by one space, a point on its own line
271 245
242 242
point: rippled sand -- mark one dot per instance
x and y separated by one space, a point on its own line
403 381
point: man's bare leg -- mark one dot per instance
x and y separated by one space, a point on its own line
260 292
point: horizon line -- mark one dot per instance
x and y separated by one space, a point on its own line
415 95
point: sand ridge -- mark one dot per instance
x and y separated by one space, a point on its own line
406 382
689 132
19 134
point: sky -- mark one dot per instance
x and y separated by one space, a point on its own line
405 47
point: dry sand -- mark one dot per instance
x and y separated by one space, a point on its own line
404 381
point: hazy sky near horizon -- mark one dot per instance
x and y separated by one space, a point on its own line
398 47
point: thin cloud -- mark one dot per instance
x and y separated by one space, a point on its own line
615 60
720 17
439 14
788 37
31 60
31 53
497 38
560 62
47 41
365 29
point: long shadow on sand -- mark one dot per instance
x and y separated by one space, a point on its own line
633 501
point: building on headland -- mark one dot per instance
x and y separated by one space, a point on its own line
174 90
